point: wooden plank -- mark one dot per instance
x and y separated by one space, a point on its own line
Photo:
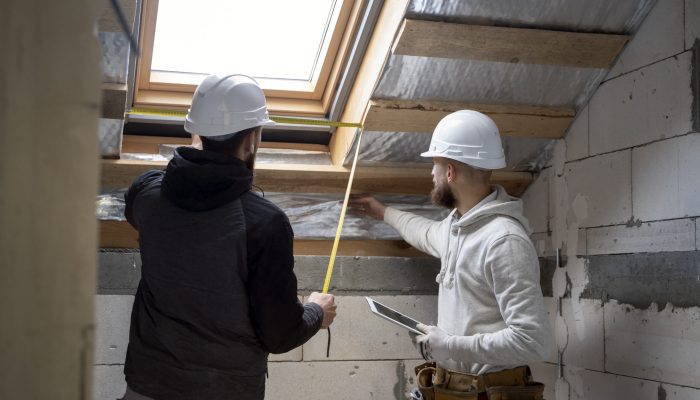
301 178
113 100
108 21
149 144
118 234
510 45
512 120
121 235
371 68
181 101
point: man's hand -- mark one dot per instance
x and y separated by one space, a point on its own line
366 204
327 303
433 345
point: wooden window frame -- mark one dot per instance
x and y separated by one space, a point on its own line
172 90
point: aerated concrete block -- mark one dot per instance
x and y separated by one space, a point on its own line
108 382
651 344
599 385
660 36
666 179
648 237
340 380
605 184
577 137
643 106
536 203
692 22
358 334
546 373
584 320
550 305
113 320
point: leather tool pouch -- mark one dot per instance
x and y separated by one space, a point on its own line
447 394
424 376
530 391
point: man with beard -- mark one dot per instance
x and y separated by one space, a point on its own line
491 316
217 290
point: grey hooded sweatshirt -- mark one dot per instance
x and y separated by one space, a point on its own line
490 297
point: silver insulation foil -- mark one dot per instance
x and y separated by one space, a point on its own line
313 216
610 16
416 78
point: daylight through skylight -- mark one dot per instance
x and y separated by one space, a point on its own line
274 39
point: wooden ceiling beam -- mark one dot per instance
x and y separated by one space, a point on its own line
512 120
302 178
121 235
151 144
378 51
113 100
510 45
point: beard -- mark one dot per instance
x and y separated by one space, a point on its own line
443 196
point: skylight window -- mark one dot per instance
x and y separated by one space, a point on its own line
264 38
294 49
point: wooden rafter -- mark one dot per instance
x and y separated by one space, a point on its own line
377 52
113 100
302 178
511 45
150 144
512 120
120 234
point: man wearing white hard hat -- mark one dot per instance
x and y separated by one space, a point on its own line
217 291
491 317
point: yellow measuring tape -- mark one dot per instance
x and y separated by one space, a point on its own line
281 120
297 121
331 262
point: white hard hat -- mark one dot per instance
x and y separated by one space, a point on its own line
223 105
469 137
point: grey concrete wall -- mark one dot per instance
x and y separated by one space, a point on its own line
369 358
621 200
49 105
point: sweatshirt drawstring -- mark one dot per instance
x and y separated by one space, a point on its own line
445 264
452 271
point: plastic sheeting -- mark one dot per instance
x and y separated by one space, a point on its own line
115 56
109 134
611 16
313 216
411 77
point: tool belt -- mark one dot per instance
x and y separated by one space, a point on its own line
436 383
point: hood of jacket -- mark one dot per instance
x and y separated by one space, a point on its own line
504 204
198 180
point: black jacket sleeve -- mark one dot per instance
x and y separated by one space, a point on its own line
130 196
281 321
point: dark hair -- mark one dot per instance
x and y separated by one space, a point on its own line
229 145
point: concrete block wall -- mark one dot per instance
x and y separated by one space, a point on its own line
369 358
621 201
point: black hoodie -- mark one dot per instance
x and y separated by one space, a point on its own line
217 291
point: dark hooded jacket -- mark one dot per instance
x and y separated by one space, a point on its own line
217 291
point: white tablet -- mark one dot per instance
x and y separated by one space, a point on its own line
394 316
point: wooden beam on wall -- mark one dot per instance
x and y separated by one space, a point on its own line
512 120
510 45
113 100
302 178
120 234
150 144
375 57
